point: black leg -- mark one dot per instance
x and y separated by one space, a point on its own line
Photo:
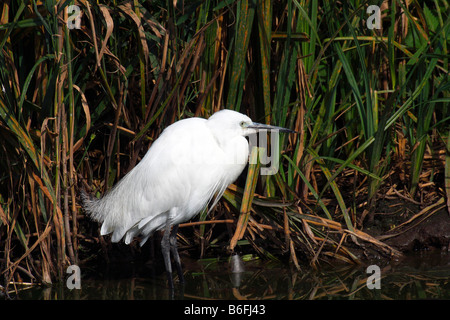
174 250
165 248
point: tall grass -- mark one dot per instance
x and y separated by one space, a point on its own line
80 107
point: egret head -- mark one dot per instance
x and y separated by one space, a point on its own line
231 123
230 129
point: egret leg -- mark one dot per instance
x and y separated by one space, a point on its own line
165 248
174 250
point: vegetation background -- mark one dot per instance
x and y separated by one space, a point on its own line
80 104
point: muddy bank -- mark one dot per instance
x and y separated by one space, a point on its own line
411 227
430 233
400 228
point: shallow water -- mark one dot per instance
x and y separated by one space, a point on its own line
420 276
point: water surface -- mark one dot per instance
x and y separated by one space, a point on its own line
423 275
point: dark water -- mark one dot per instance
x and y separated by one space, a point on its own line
419 276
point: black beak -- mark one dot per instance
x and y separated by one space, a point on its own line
260 126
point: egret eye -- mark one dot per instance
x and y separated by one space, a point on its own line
243 124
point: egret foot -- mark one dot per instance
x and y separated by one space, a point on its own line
176 256
169 245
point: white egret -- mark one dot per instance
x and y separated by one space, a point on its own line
190 164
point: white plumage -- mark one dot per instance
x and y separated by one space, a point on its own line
176 179
192 162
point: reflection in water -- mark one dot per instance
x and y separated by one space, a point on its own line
420 277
